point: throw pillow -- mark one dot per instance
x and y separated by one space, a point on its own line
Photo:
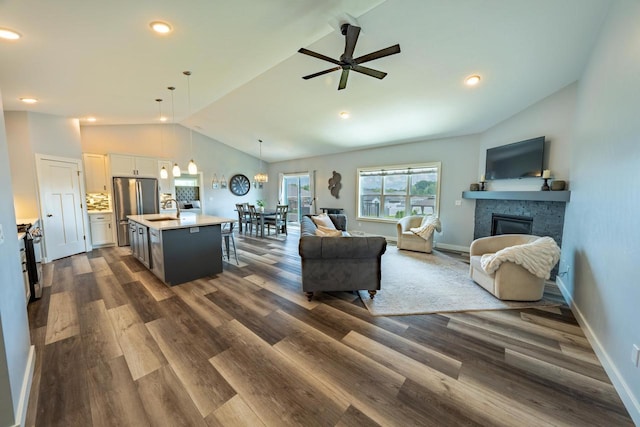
196 204
323 220
188 206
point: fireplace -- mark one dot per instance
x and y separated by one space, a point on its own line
544 219
510 224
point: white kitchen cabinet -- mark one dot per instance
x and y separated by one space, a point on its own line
101 225
141 167
95 173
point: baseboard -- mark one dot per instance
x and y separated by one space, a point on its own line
23 403
626 394
448 247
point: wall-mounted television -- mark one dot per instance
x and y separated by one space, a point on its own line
522 159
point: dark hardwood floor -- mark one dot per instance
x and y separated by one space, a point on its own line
117 347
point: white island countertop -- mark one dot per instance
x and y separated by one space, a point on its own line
170 222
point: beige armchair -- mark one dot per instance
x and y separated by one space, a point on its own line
510 281
409 240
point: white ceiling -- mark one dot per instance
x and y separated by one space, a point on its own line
82 58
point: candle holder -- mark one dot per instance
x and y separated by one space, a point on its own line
482 187
545 186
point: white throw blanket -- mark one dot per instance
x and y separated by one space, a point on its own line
429 224
538 257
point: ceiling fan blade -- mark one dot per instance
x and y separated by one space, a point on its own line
350 40
310 76
318 55
369 72
343 79
391 50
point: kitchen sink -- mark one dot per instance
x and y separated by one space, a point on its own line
162 218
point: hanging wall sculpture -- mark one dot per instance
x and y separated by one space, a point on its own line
335 185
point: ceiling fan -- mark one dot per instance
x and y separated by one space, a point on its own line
347 61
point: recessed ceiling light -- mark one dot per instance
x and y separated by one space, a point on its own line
472 80
8 34
160 27
91 119
163 119
344 115
29 100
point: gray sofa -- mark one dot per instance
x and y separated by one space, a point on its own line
339 263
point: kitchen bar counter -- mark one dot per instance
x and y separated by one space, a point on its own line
186 220
178 250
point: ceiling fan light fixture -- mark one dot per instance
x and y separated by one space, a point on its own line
161 27
8 34
472 80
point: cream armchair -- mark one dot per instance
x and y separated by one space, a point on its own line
409 240
510 281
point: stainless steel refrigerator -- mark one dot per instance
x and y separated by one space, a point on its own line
133 196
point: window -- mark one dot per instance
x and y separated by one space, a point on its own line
392 192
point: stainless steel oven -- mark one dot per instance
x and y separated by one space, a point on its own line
33 235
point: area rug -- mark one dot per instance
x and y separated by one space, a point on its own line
418 283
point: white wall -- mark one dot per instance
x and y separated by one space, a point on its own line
601 242
459 158
553 118
173 143
14 328
35 133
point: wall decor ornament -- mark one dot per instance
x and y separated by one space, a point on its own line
335 185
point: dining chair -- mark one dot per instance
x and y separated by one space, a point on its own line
254 219
228 238
243 216
278 221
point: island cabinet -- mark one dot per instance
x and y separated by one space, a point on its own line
184 254
139 241
180 250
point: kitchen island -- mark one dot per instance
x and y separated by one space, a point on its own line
178 250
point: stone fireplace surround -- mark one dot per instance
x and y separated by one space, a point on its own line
548 217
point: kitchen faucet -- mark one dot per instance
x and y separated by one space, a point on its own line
164 206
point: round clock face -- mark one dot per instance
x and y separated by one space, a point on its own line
239 185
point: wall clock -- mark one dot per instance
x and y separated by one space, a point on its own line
239 185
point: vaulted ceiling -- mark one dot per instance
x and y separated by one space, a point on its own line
98 58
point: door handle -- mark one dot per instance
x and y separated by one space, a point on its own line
49 215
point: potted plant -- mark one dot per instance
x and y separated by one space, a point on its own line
260 204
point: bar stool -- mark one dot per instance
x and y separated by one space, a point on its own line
227 234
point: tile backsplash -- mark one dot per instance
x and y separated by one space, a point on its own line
98 201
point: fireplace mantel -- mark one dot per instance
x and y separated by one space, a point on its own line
539 196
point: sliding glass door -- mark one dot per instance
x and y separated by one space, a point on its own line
296 192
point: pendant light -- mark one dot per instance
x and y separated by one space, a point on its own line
176 169
261 177
163 172
193 169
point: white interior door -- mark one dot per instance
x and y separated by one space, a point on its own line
61 201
